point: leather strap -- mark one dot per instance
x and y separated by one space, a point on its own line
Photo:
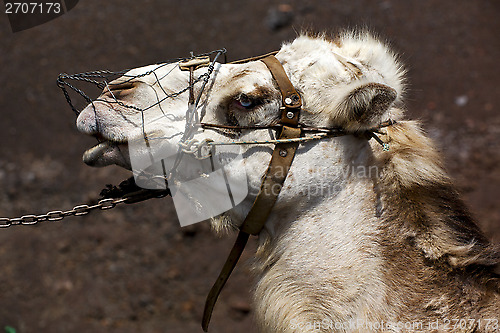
242 61
291 101
226 271
271 186
272 183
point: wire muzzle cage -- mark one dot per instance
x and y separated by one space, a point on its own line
194 172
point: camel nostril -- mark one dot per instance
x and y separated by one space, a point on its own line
122 86
120 89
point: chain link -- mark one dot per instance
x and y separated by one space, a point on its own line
80 210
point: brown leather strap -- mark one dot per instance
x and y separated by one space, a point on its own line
271 186
242 61
191 65
272 183
226 271
291 100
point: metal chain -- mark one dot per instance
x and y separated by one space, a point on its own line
81 210
199 149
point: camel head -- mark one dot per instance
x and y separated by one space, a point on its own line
351 83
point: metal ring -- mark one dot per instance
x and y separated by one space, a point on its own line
16 221
29 219
106 204
42 218
81 210
4 222
55 215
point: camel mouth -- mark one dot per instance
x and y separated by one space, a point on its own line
113 147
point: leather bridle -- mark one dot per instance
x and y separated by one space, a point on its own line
281 160
290 132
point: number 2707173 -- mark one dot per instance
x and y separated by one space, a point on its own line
33 7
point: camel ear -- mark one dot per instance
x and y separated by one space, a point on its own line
366 104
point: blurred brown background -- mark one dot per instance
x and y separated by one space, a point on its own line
134 269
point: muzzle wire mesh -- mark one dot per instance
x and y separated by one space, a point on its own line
104 78
200 186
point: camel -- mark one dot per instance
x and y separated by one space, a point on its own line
361 238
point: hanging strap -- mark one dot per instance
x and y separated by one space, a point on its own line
281 160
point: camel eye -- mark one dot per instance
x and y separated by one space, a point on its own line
243 101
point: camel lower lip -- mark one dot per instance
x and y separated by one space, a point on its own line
102 154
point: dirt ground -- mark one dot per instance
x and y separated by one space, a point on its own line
133 269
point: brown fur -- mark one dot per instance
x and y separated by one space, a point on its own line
437 259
